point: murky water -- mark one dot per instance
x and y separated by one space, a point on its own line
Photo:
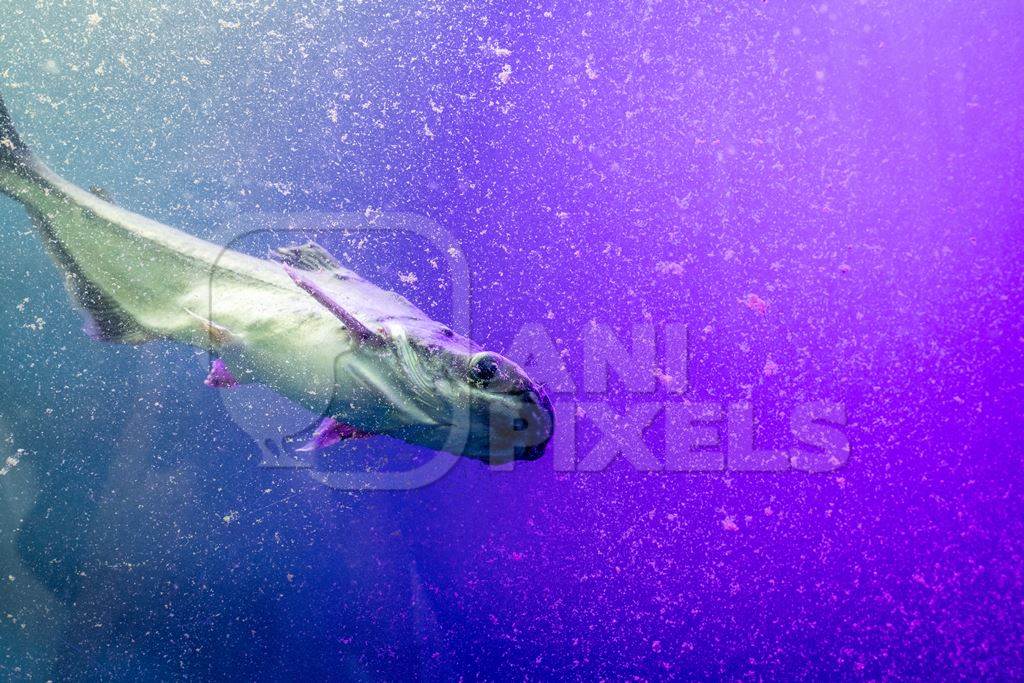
765 258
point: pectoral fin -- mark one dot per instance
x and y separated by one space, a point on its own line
218 334
353 324
330 432
220 377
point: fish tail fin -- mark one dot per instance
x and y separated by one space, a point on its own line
14 153
105 321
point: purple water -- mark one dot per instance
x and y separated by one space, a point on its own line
829 198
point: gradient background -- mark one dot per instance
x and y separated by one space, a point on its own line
858 166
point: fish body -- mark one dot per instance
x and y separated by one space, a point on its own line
304 325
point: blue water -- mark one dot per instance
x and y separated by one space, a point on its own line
857 168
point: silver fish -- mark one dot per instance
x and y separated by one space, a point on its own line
304 325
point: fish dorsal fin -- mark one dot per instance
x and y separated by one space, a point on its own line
309 256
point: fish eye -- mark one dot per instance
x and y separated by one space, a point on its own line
483 369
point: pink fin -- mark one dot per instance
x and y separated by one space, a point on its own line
361 332
220 377
92 330
330 432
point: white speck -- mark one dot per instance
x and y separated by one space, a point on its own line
683 202
283 189
505 74
11 462
497 49
670 268
755 303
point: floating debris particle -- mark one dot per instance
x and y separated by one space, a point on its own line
756 303
670 268
11 461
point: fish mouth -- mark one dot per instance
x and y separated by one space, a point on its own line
531 453
522 431
540 414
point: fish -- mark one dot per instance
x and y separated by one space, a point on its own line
298 322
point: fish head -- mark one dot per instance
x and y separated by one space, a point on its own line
430 386
484 405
